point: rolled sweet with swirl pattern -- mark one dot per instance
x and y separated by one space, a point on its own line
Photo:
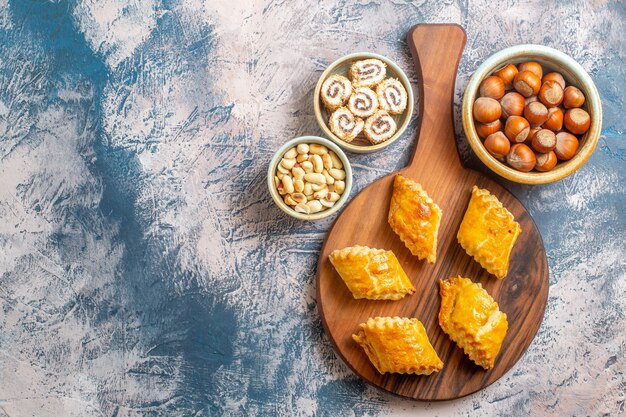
363 102
379 127
392 96
345 125
368 72
336 91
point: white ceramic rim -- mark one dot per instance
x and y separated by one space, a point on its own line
358 148
592 97
271 172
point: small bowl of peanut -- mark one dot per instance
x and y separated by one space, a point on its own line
309 178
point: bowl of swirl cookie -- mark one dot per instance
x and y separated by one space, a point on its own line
363 102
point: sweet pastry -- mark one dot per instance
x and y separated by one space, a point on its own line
336 91
415 218
392 96
379 127
363 102
488 232
374 274
472 319
399 345
345 125
368 72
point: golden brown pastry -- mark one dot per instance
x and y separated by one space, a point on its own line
374 274
399 345
415 217
488 232
472 319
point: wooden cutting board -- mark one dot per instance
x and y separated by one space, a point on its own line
435 164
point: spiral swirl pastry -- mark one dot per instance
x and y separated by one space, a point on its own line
345 125
363 102
379 127
392 96
336 90
368 72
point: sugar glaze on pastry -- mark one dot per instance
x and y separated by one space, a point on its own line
345 125
392 96
399 345
379 127
336 91
472 319
368 72
369 273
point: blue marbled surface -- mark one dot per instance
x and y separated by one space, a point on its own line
144 270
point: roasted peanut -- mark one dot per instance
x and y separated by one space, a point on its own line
315 178
329 179
302 208
332 196
326 203
288 184
321 193
314 206
318 165
308 190
290 154
307 166
317 187
282 169
318 149
298 185
340 187
288 163
302 157
338 174
328 161
299 198
302 148
289 200
298 173
336 161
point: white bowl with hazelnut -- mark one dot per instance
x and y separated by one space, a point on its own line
309 178
532 114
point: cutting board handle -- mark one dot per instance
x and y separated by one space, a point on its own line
436 50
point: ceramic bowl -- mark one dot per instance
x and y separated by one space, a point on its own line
341 66
271 172
551 60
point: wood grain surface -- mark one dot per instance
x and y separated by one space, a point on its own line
522 295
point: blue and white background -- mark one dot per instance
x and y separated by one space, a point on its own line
144 270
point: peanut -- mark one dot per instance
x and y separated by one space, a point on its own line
336 161
288 163
307 166
318 165
308 190
288 184
340 187
314 206
298 173
302 208
338 174
302 148
317 187
318 149
315 178
321 193
326 203
302 157
329 179
298 185
299 198
328 161
290 154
